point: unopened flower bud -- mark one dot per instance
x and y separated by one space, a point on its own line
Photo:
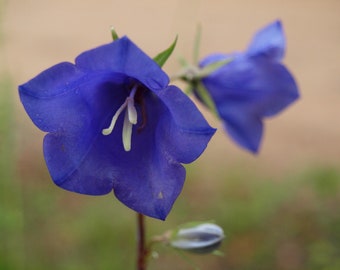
201 238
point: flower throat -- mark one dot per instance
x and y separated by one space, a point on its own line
130 116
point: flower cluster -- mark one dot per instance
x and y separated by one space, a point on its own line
114 123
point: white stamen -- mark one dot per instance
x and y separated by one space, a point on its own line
131 106
130 119
132 112
127 132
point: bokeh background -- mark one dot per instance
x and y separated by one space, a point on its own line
279 209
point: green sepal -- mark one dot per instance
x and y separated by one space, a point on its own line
189 90
192 74
208 69
218 253
162 57
183 62
204 95
114 34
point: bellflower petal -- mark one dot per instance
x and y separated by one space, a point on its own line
254 85
186 134
75 103
123 56
269 42
58 91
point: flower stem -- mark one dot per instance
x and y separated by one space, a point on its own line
142 251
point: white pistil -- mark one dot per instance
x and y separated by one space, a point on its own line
130 119
127 132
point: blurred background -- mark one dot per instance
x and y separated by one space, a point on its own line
279 209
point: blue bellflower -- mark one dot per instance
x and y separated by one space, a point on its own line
114 123
254 85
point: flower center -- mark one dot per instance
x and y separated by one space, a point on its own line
130 118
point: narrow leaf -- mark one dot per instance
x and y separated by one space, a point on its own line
162 57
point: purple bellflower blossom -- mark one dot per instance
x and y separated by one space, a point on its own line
252 86
114 123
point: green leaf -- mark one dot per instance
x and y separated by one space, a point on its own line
162 57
